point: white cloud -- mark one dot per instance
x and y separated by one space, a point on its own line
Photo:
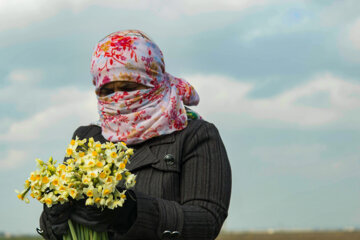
338 13
194 7
294 18
69 106
21 13
178 7
24 94
25 76
13 159
46 117
50 110
221 95
354 34
343 17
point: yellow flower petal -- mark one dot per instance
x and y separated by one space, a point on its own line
55 182
69 151
103 175
89 193
45 180
106 192
118 177
48 201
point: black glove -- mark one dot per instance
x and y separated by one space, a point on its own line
119 219
53 220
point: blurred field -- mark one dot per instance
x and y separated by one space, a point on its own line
329 235
20 238
266 236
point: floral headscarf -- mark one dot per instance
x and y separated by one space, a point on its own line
136 116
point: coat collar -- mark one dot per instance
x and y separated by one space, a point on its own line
143 156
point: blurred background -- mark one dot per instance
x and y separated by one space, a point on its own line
280 79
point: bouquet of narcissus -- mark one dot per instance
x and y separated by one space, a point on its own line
91 172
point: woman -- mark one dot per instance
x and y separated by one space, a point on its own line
183 173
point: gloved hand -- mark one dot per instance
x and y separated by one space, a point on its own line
119 219
53 221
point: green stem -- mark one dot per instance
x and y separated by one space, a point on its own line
66 236
81 231
26 191
72 230
105 236
77 229
87 237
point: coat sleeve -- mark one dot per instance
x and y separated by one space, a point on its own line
205 194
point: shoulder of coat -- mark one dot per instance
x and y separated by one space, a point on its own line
199 124
87 131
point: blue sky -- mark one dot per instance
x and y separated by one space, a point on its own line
280 79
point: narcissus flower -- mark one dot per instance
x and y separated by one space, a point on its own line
91 172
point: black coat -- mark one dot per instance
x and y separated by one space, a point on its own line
183 182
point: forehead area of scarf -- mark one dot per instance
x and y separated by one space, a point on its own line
127 56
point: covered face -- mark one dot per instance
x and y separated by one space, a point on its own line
136 115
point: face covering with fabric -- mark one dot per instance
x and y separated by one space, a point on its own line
136 116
